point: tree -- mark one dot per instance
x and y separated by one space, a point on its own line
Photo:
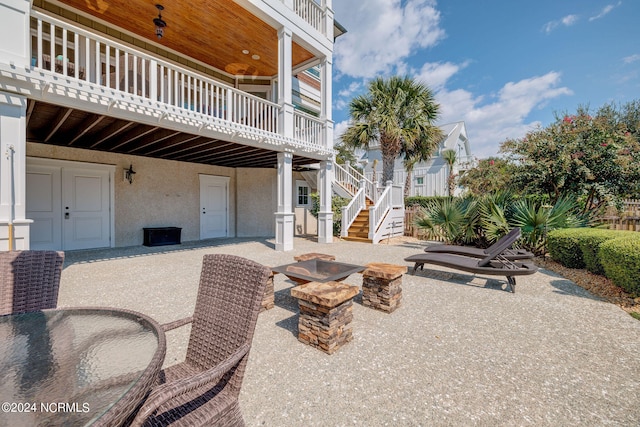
595 158
450 159
490 175
397 112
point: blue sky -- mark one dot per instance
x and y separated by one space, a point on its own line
502 66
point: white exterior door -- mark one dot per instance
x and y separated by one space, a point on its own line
70 204
85 208
214 206
43 206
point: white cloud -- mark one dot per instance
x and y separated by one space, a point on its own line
503 117
436 74
382 34
567 21
608 8
631 58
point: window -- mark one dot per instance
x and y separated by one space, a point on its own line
303 193
419 180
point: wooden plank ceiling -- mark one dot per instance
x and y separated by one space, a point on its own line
215 32
57 125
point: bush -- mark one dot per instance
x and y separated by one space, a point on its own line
590 243
564 246
423 201
337 203
621 261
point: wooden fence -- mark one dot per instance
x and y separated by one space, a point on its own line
628 219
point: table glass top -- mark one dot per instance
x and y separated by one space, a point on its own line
67 367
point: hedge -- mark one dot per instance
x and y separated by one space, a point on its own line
621 261
578 247
590 243
564 246
423 201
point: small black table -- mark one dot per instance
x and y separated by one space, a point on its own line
77 366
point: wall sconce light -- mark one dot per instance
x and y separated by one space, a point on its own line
128 174
160 24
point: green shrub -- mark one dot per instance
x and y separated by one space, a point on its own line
564 247
590 243
424 201
621 261
337 203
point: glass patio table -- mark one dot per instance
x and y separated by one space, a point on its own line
76 366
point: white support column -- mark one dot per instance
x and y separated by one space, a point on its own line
13 144
285 86
285 216
327 5
325 214
326 67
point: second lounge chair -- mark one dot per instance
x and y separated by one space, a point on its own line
493 264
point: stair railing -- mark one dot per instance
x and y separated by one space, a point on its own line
348 181
369 187
378 211
351 211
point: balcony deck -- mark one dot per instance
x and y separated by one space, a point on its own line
88 91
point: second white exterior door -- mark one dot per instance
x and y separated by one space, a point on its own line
214 206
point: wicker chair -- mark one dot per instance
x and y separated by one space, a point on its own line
204 389
29 280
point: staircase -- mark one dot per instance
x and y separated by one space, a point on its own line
359 230
385 205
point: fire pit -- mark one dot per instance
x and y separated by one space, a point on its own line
318 270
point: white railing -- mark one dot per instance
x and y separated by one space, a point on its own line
370 188
307 128
88 56
346 180
351 211
380 209
104 62
311 12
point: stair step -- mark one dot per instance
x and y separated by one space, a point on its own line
357 239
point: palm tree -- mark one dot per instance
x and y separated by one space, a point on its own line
397 112
450 158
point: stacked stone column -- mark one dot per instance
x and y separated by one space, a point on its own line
325 314
268 300
382 286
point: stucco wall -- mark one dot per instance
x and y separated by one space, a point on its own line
163 193
256 192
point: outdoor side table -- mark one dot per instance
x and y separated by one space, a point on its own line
77 366
382 286
325 314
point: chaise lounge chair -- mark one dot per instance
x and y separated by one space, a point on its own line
510 254
493 264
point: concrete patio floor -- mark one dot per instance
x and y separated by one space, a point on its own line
461 350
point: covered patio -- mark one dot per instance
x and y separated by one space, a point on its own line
460 350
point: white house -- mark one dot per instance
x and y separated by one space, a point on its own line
427 178
119 116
